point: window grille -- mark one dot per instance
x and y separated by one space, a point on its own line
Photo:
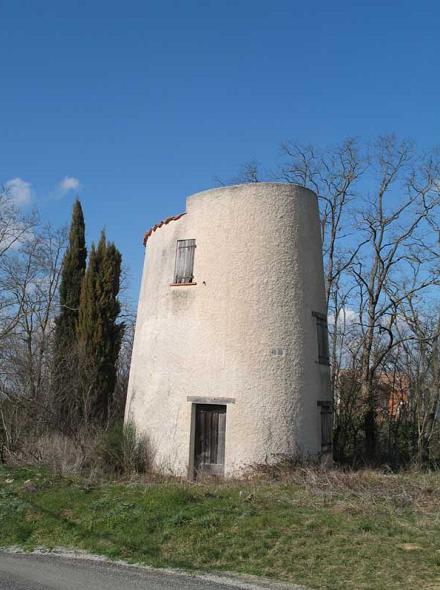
184 268
326 426
322 333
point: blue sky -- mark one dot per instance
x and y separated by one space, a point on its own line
145 102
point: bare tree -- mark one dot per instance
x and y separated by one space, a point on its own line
395 238
333 175
249 173
15 229
31 275
419 359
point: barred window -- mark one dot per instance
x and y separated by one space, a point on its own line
326 426
184 268
322 333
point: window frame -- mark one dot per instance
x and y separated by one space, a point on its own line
326 425
187 277
322 337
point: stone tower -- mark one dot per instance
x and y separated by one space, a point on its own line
230 360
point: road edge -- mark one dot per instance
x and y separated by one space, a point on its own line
234 580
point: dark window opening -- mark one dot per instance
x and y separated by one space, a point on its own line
326 426
322 333
183 273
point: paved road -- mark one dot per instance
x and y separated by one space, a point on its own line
48 572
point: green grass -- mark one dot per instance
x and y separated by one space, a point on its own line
323 530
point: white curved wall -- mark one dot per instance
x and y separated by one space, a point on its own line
258 269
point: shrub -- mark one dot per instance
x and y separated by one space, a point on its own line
123 451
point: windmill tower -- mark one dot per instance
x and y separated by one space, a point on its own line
230 363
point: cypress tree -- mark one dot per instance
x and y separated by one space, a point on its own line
73 269
99 334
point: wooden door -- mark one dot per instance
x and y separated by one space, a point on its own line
210 439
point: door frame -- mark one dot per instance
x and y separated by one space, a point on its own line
211 445
195 401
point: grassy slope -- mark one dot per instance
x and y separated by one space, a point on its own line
329 531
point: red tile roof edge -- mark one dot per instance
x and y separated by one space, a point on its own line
160 224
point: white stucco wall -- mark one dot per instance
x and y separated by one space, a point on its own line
259 275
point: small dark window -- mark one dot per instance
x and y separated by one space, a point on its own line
183 272
326 426
322 333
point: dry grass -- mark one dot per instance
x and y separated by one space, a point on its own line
367 487
91 453
61 454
